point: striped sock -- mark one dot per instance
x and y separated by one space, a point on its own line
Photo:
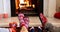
26 20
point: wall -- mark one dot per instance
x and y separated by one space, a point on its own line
5 7
1 7
52 8
57 5
49 8
46 4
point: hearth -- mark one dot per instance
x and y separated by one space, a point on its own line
28 7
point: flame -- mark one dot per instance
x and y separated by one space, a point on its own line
27 4
33 6
21 1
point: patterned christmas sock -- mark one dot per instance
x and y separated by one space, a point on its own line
20 16
26 20
13 27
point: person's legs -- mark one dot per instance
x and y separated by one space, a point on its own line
23 29
39 29
32 29
23 22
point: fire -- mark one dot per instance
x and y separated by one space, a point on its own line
21 1
26 4
33 6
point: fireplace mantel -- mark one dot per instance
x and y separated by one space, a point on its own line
49 7
36 5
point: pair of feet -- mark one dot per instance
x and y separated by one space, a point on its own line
24 21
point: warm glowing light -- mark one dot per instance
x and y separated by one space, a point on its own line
33 6
27 3
30 5
21 1
21 6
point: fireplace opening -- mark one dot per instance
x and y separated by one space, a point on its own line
28 7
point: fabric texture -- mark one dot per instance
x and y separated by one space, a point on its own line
57 15
4 30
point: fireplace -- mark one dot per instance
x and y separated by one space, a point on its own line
28 7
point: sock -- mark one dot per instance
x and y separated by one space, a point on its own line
13 27
26 20
20 16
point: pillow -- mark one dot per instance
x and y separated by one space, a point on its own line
57 15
